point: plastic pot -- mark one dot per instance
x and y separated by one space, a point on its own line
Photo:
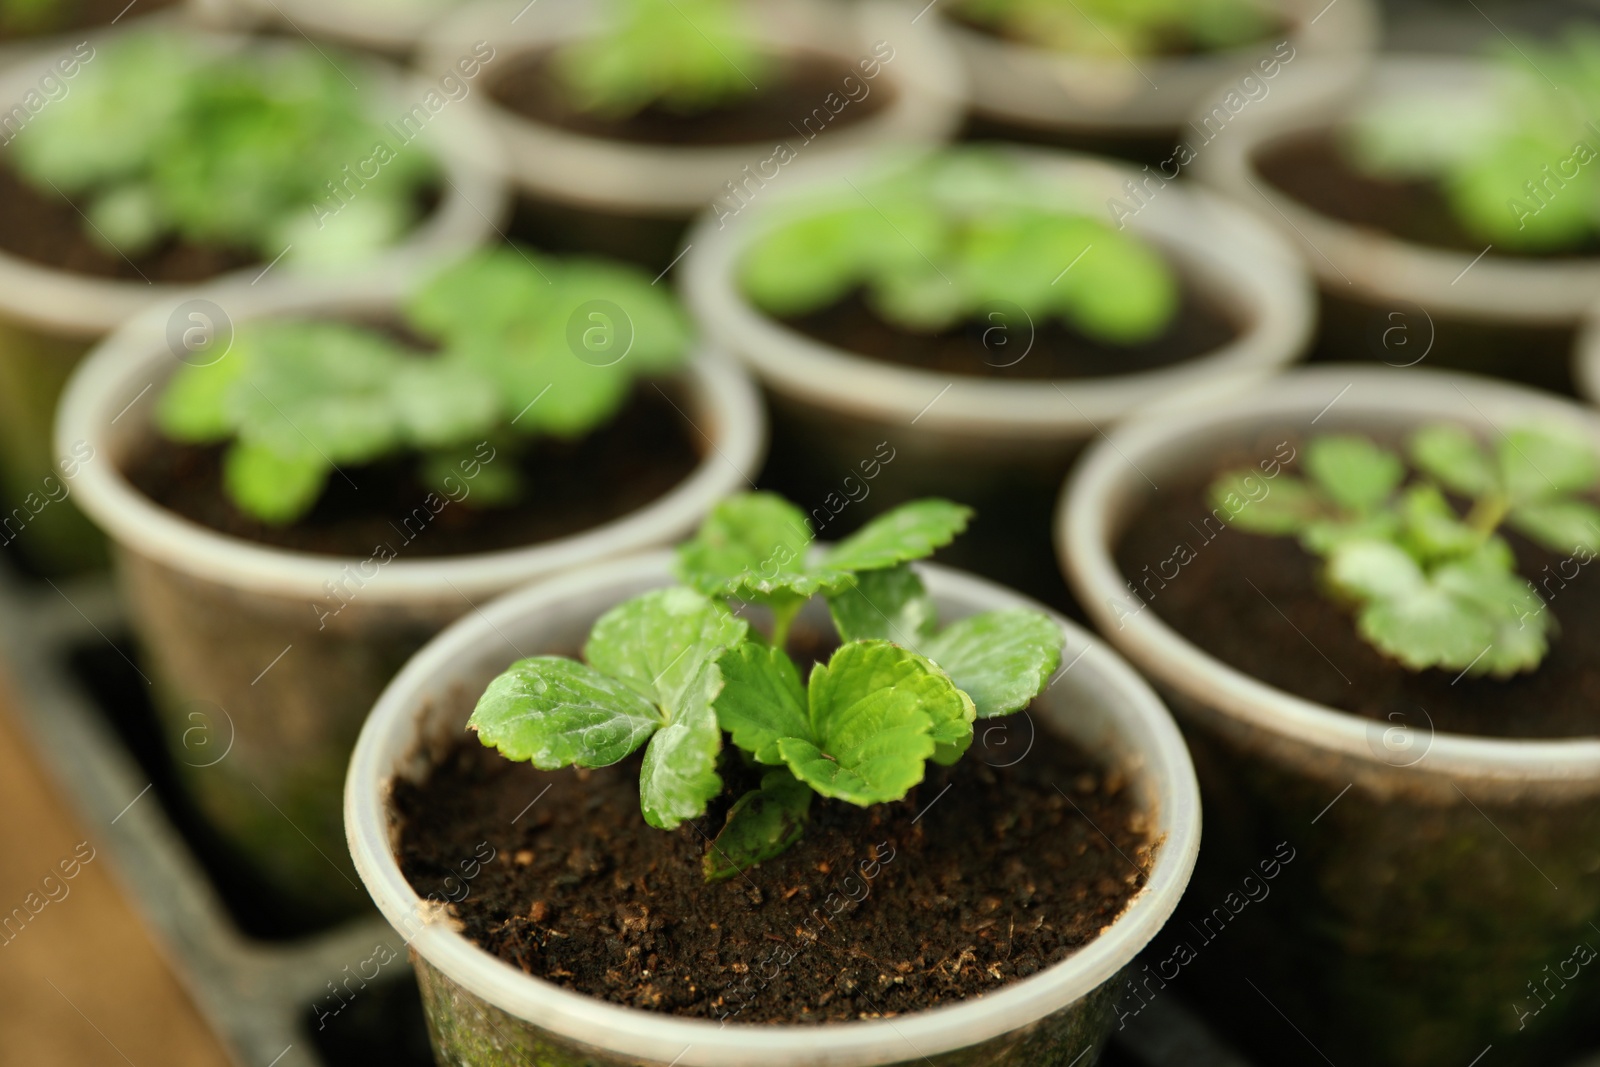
633 199
1388 300
1002 445
388 27
49 318
284 652
1141 104
1424 908
483 1012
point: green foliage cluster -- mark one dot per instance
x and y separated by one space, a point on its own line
1120 28
686 56
1517 168
675 669
164 137
1431 587
299 399
934 241
35 16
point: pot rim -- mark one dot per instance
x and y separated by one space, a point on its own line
1003 69
633 1032
1374 264
473 197
371 25
727 414
1090 516
1244 261
678 180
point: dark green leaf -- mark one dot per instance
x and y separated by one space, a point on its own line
761 824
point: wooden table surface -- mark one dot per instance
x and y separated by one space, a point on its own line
81 982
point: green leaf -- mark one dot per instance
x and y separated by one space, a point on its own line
1561 525
891 604
1256 504
1434 528
679 775
1539 463
658 643
872 714
763 823
557 712
194 408
761 700
1453 457
270 486
746 538
909 532
1355 473
439 405
1001 659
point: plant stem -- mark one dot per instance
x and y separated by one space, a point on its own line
782 619
1487 513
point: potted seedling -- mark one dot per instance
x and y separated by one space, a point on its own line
1448 209
623 118
1371 587
974 315
761 792
1125 77
141 163
297 512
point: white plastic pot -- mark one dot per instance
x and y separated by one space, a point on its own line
258 637
1026 85
389 27
49 317
485 1012
676 181
1423 924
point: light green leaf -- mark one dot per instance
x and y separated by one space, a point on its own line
909 532
439 405
658 642
1375 570
1540 463
195 408
1426 628
762 824
1256 504
761 700
557 712
1432 525
747 538
891 604
1560 525
270 486
1453 457
679 774
1353 471
1001 659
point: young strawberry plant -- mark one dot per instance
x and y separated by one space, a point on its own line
294 401
933 241
1114 28
1430 586
164 137
1517 168
678 672
686 56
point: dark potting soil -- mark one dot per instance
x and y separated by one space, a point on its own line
999 347
568 487
1313 168
876 911
81 14
49 229
1212 603
774 112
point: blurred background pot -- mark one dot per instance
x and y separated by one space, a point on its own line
483 1012
1425 907
632 199
388 27
1389 300
1137 106
1001 445
243 633
50 317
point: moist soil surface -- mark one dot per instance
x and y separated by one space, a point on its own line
1212 604
999 347
81 14
1314 169
788 95
48 228
568 487
983 874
